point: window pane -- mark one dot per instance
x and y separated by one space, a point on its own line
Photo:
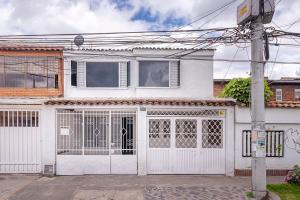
154 73
105 74
15 71
73 73
2 77
37 72
53 68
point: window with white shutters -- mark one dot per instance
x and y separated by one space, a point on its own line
102 74
153 73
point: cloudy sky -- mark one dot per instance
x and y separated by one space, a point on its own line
72 16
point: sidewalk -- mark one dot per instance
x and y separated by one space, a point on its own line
128 187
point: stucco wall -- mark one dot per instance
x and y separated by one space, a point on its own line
276 119
196 80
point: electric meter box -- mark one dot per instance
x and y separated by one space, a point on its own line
249 9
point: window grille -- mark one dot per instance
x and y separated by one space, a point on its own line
86 132
19 118
274 143
212 133
159 133
186 133
191 113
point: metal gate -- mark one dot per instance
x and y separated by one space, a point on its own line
20 147
186 144
96 142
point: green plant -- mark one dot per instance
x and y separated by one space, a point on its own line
294 175
249 194
239 89
285 191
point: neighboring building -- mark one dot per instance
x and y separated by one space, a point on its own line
31 71
129 111
284 89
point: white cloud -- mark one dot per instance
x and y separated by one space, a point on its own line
69 16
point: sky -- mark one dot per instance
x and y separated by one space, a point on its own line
72 16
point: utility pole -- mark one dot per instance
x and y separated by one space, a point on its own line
258 160
257 13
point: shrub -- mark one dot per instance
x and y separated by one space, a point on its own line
293 176
239 89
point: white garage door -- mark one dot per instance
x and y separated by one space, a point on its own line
20 149
185 145
96 142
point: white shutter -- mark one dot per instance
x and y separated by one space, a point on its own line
81 74
123 74
174 74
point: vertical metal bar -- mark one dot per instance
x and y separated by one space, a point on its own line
83 132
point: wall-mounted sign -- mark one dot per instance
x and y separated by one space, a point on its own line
64 130
258 143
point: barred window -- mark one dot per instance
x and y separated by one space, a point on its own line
186 133
212 133
159 133
274 143
19 118
29 72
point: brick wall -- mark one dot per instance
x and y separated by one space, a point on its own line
218 88
35 92
288 92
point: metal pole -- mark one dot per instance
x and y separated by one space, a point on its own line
258 160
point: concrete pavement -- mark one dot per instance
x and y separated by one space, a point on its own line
129 187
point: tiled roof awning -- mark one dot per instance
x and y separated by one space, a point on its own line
284 104
16 47
169 102
277 104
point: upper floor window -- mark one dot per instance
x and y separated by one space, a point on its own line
297 94
154 74
102 74
278 94
29 71
73 73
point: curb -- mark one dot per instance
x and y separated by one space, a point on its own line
273 196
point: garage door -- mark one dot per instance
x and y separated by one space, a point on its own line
96 142
185 145
20 149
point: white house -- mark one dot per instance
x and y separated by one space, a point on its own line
139 112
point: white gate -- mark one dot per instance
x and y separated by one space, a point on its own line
186 144
20 147
96 142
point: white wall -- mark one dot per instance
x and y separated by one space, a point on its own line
276 119
48 127
196 78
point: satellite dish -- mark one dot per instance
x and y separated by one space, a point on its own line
79 40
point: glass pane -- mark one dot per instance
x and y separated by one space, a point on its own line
2 77
37 72
15 71
73 73
102 74
154 73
